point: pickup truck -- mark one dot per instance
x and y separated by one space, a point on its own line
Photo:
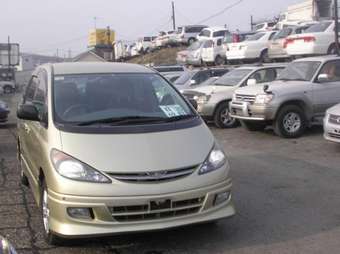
297 99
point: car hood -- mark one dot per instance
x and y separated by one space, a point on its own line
143 152
207 90
335 110
278 86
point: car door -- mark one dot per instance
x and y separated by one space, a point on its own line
326 93
24 126
38 138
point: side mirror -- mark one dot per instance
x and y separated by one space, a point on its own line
192 82
193 103
251 82
28 112
322 78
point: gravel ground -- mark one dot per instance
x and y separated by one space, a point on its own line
286 193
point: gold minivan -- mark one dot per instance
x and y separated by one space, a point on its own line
110 148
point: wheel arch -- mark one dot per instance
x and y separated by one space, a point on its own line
296 102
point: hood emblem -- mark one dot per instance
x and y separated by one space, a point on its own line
157 175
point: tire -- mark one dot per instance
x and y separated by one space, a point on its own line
264 57
332 50
290 122
50 238
222 118
191 41
253 125
8 89
219 61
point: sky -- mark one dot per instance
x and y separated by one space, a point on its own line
43 26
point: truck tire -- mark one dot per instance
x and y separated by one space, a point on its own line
222 117
332 50
219 60
290 122
253 125
264 57
8 89
191 41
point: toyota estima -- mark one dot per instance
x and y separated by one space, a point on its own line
110 148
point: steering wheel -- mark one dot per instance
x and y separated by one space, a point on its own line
75 109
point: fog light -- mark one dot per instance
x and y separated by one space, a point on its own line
221 197
80 213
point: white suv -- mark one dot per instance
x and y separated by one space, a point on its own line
317 40
212 33
188 34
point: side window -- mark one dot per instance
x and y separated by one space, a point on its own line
332 69
201 77
271 36
208 44
40 95
262 76
219 42
30 90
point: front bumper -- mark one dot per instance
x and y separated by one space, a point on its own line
252 112
331 131
193 61
206 110
108 221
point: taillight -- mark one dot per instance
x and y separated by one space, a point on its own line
304 38
308 38
235 38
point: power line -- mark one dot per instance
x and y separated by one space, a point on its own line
220 12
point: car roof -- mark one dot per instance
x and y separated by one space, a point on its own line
96 67
216 28
319 58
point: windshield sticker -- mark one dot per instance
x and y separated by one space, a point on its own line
173 110
59 78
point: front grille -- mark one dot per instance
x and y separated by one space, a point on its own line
334 135
334 119
154 176
245 98
155 211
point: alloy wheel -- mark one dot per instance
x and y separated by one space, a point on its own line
292 122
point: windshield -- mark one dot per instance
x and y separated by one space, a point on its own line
317 28
302 70
284 33
184 78
83 98
196 45
255 37
232 78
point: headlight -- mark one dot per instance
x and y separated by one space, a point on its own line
215 160
202 99
263 98
73 169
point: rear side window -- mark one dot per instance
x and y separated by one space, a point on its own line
317 28
219 34
205 33
194 29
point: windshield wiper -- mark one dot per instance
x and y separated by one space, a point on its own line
134 119
121 120
292 79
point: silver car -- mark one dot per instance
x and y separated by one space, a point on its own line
332 124
213 100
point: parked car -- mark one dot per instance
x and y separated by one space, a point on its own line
4 112
212 33
164 39
253 48
277 46
194 55
193 78
6 247
332 124
297 99
134 119
187 34
181 57
316 40
144 45
213 100
170 69
264 26
213 52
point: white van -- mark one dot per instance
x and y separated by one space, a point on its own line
212 33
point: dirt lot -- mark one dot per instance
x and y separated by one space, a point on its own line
286 193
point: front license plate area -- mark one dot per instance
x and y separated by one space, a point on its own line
160 204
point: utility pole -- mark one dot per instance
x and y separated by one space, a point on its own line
336 27
173 16
95 22
9 53
251 23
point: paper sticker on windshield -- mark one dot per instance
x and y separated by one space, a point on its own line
173 110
